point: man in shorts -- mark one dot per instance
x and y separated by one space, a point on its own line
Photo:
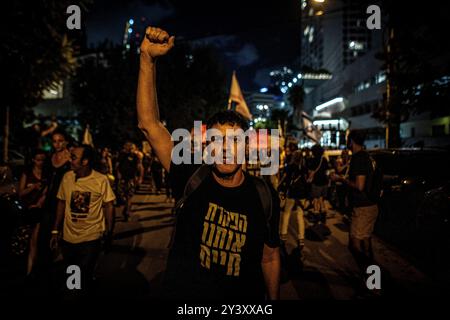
365 210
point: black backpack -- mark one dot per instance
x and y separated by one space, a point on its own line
374 186
263 189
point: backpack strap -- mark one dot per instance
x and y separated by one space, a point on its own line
265 196
192 184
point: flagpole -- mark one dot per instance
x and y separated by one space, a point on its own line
6 137
229 94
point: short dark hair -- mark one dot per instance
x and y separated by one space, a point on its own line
230 117
61 132
88 154
36 152
357 136
32 155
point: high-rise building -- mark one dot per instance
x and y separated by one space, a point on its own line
262 105
279 79
335 38
334 33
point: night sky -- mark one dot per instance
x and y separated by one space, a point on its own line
253 37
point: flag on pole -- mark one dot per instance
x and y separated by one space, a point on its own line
309 129
281 134
87 137
237 97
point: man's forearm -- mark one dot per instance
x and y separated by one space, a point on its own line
141 171
109 217
60 208
147 105
148 112
271 272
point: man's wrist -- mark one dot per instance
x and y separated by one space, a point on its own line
55 232
147 59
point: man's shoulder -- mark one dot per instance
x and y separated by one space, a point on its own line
360 161
67 180
139 155
268 187
68 175
98 176
362 156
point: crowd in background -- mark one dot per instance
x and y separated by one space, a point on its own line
303 182
40 180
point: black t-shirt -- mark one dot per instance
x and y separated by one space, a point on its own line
320 177
360 165
219 241
128 165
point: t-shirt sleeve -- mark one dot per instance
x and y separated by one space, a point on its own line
108 193
360 166
273 238
61 195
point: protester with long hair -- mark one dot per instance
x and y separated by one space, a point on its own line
32 189
58 165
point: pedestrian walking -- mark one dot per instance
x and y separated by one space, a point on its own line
226 244
85 214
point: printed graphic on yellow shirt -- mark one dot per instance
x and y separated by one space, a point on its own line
79 204
224 235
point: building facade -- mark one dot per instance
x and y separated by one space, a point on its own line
342 45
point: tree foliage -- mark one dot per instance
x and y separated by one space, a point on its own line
191 86
104 89
418 61
37 49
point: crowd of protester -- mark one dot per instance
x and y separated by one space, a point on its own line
32 247
69 194
306 184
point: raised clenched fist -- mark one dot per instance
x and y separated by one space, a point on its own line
157 42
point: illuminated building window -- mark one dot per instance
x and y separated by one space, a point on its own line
380 77
305 33
355 46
